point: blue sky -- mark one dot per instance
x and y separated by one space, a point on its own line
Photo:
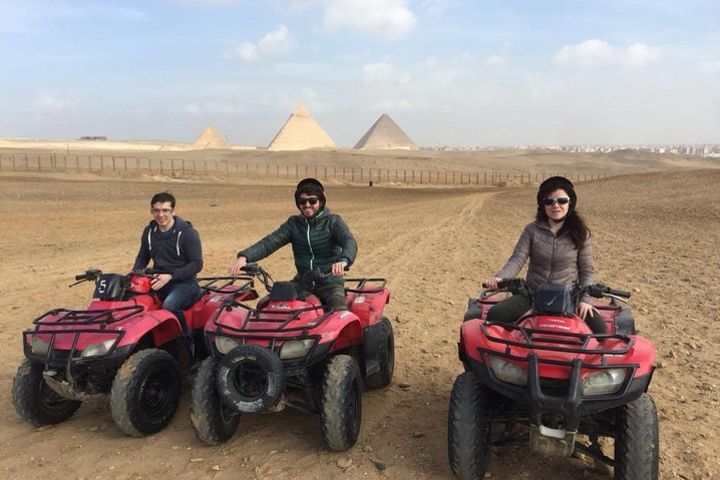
450 72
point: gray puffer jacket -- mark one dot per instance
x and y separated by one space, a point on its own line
552 259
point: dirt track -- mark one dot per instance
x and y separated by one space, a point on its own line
656 235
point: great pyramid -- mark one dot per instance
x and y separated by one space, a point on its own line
385 135
301 132
209 139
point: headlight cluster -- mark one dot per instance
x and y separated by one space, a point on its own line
507 372
39 346
225 344
603 382
98 349
296 348
290 350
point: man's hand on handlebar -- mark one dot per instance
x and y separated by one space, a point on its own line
338 269
584 310
160 280
237 265
492 283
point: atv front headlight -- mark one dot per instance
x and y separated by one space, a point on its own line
507 372
296 348
604 382
39 346
225 344
98 349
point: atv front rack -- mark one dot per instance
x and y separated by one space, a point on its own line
537 339
279 317
63 316
225 285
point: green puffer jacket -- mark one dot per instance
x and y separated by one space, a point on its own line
319 241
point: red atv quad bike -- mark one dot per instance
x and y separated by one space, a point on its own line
294 353
549 382
123 344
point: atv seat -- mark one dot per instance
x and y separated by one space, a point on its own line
283 292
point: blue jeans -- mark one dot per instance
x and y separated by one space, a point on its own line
179 296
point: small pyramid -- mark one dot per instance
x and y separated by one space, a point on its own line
210 139
385 135
301 132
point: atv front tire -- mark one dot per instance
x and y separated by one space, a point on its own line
35 401
637 441
213 422
468 428
386 357
145 392
341 403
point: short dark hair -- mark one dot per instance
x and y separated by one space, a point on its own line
163 197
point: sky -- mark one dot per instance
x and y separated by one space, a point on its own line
449 72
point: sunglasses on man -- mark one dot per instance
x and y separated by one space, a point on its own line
559 200
310 200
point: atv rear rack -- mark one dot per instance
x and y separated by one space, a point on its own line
554 336
363 287
288 316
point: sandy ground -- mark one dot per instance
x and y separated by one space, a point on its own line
655 234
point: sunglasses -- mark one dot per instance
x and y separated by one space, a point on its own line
559 200
310 200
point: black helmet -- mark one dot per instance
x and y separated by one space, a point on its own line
551 184
311 186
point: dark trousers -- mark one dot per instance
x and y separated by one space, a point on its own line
512 308
331 294
179 296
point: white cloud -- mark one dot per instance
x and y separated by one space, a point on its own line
710 67
389 19
598 53
53 103
273 44
210 3
384 73
495 61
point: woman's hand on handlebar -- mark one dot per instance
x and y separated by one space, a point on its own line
584 310
338 269
237 265
492 283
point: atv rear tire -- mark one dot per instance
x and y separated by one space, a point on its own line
341 403
213 422
468 428
386 357
35 401
637 441
145 392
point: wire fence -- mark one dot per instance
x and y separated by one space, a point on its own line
54 162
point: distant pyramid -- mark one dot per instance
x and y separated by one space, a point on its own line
385 135
209 139
301 132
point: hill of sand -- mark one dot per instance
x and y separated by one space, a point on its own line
301 132
653 234
385 134
208 139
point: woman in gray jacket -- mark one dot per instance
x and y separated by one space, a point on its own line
557 246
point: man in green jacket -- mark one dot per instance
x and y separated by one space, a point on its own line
319 238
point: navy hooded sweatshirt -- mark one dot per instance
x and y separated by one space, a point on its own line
177 251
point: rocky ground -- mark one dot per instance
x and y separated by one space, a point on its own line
654 234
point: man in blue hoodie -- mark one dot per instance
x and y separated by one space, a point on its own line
174 247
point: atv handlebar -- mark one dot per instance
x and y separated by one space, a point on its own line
598 290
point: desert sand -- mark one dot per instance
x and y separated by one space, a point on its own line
655 234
